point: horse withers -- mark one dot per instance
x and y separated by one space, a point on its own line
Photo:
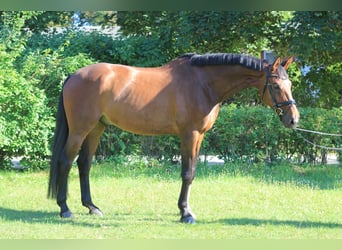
181 98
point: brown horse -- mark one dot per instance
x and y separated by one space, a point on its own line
181 98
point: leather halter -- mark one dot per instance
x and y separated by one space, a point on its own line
278 106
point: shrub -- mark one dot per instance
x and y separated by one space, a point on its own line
255 133
25 120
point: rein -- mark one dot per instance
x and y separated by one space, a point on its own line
278 106
320 133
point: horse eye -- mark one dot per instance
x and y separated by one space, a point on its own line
276 86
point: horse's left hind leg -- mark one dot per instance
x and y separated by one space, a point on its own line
84 160
68 155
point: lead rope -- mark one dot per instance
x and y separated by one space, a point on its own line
320 133
316 132
268 156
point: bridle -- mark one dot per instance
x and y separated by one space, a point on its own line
278 106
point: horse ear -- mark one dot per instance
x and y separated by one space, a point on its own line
276 64
287 62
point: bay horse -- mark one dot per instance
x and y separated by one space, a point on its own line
181 98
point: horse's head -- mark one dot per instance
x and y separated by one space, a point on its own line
277 93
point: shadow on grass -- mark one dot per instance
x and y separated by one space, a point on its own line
292 223
29 216
42 217
82 220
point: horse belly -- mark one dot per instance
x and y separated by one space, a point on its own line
146 121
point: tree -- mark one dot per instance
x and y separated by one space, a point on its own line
316 39
205 31
44 21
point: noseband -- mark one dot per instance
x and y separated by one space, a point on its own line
278 106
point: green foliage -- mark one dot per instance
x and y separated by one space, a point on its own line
47 69
316 39
322 120
25 120
204 31
324 84
36 59
116 143
134 50
251 134
316 36
50 20
44 20
30 82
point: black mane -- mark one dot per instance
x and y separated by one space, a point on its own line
225 59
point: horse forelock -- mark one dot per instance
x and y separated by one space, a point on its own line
282 73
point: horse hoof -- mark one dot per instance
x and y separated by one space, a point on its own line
67 214
96 212
188 220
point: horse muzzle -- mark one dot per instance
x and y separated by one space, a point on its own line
289 116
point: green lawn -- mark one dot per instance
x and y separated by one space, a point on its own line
140 202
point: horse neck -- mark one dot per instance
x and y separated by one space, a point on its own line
227 80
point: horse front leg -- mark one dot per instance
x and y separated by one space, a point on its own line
190 146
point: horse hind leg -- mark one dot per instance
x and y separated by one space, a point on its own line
84 160
66 159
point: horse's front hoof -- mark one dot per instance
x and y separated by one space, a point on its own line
96 211
188 220
66 215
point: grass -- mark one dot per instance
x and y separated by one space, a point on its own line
140 202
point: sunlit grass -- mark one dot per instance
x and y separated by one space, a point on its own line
140 201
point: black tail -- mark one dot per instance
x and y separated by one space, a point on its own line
61 135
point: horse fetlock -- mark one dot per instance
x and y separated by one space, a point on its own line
96 211
93 209
186 212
